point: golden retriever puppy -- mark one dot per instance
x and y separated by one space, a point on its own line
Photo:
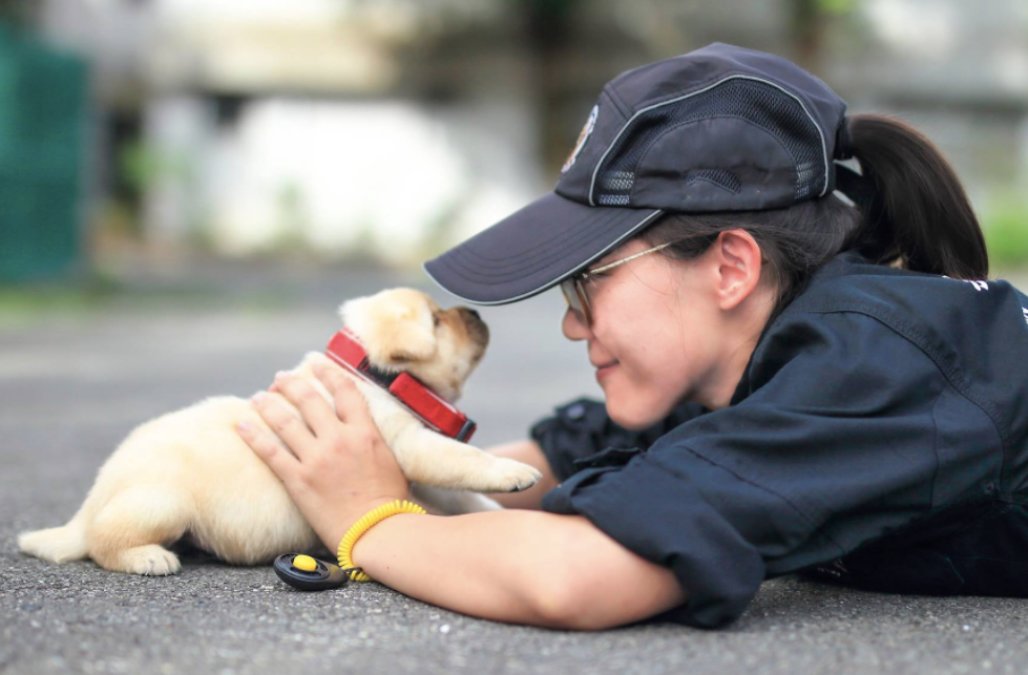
188 474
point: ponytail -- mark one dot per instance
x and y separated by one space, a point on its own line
910 210
915 211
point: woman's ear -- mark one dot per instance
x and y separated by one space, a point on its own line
739 264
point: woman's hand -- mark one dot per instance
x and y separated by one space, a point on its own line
330 457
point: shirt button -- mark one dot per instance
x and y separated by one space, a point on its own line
576 412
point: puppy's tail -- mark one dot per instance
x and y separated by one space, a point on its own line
57 544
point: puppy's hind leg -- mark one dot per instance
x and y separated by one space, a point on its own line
128 532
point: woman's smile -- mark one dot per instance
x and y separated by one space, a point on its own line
604 369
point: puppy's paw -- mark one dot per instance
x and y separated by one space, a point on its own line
508 475
149 560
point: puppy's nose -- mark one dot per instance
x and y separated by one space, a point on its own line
474 323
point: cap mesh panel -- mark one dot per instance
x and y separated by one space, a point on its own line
758 102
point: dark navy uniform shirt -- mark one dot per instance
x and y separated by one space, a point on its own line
878 437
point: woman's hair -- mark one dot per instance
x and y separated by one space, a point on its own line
910 210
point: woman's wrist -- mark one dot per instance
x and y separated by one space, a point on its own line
371 519
332 527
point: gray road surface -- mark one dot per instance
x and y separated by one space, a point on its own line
72 383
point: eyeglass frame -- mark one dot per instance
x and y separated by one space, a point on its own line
575 292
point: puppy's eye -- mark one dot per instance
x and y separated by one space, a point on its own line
435 320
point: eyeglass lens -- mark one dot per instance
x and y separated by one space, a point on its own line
577 301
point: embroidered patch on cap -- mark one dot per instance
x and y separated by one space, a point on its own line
583 136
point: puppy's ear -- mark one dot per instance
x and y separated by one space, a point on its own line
404 335
396 329
412 337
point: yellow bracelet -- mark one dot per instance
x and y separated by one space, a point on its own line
365 523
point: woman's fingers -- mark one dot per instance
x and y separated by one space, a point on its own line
316 414
363 438
282 418
268 448
314 428
349 403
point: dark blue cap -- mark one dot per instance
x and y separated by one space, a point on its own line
721 128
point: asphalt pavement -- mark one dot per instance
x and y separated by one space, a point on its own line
76 377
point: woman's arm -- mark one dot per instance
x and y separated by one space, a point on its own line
518 566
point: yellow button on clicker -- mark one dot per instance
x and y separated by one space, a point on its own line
305 563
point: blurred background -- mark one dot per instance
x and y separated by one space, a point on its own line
165 136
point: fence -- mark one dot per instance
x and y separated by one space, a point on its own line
42 108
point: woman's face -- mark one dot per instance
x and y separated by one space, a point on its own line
659 335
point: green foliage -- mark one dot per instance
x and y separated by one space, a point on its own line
837 7
142 165
23 303
1006 233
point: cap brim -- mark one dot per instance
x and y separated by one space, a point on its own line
533 249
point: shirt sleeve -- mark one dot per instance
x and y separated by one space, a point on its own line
832 442
581 429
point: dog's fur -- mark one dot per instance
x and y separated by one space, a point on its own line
188 474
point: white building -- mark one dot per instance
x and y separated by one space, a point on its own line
394 128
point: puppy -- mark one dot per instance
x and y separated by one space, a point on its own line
188 474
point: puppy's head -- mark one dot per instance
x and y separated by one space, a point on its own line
403 329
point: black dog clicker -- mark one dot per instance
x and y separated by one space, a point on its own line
305 573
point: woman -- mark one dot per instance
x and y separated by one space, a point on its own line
794 379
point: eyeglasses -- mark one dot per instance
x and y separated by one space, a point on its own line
574 289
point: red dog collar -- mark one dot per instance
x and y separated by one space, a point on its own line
347 351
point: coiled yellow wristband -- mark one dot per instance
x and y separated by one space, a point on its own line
365 523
